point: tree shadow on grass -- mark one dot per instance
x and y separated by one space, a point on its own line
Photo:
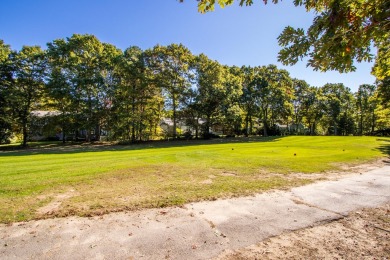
385 149
73 148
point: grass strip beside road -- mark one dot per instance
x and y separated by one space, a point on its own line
89 180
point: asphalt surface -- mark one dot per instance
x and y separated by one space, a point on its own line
196 231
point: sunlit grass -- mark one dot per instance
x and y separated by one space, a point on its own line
100 179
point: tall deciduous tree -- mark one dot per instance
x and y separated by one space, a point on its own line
83 67
60 86
231 110
313 109
29 67
366 105
172 65
384 91
191 113
273 93
109 60
301 94
338 106
216 87
137 100
6 119
247 100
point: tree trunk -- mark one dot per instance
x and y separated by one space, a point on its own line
197 128
246 125
25 134
174 116
97 132
88 135
63 127
313 128
265 125
24 126
207 128
250 125
133 121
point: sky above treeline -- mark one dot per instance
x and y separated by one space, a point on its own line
233 35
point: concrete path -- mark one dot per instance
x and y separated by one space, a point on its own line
195 231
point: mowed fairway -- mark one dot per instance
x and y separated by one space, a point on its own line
88 180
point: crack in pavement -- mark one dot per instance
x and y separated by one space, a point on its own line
298 200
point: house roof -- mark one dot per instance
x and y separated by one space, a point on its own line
169 121
281 126
44 113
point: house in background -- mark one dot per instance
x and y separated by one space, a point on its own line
291 129
283 129
166 125
44 125
297 128
182 128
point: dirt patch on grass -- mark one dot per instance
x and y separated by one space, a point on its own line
56 203
208 181
348 169
362 234
344 170
225 173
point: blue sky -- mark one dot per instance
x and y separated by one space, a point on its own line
234 35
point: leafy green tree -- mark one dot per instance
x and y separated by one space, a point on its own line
211 90
172 65
346 124
313 109
6 119
216 87
338 105
247 100
231 110
366 105
125 106
382 99
60 87
82 80
342 32
232 120
191 113
29 69
273 93
108 63
299 100
137 100
384 91
332 103
382 115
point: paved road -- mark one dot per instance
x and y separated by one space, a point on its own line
196 231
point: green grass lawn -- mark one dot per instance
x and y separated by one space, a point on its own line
89 179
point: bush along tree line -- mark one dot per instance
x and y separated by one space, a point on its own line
79 88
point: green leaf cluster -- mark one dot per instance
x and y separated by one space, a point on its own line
343 32
93 88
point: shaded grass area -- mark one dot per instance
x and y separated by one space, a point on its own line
104 178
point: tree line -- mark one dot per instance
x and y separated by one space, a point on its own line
95 86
